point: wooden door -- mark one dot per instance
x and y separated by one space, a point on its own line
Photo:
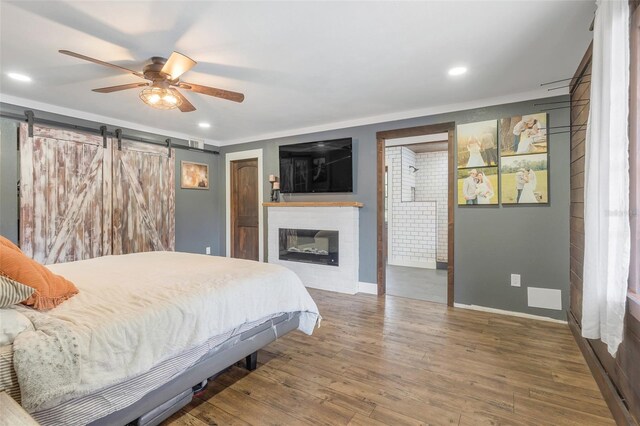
245 206
65 195
143 198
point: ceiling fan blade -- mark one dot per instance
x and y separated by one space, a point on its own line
99 62
185 106
212 91
177 64
120 87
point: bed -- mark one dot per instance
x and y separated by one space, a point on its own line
145 331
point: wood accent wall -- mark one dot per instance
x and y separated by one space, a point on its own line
619 377
579 114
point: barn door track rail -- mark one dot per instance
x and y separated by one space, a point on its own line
31 120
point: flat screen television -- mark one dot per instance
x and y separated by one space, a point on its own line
323 166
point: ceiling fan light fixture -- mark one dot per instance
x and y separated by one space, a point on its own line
159 98
170 99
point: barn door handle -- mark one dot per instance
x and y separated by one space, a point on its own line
168 141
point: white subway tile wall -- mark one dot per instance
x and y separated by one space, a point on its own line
412 224
407 176
431 185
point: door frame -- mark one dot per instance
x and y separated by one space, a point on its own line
245 155
381 138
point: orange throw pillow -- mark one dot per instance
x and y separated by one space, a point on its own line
6 242
50 289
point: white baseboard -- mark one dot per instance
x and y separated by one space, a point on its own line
330 287
503 312
429 264
368 288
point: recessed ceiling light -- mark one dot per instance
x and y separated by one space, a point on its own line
457 70
19 77
204 125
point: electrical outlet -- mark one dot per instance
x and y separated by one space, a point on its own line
515 280
208 250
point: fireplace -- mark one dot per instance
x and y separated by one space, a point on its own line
309 246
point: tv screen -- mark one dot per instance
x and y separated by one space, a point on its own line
323 166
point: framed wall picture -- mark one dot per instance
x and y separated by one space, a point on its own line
524 179
194 175
478 186
477 144
523 134
524 159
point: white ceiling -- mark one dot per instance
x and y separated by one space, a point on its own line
303 66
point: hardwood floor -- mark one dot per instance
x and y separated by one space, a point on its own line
397 361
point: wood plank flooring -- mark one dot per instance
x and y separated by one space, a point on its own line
397 361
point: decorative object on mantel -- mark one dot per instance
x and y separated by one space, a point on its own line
275 188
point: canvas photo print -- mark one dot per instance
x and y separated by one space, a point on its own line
194 175
477 144
478 186
523 134
524 179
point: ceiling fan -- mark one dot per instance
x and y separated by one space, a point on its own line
164 76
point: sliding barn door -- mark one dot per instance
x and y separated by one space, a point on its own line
143 198
65 195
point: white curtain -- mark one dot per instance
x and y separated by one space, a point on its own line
606 192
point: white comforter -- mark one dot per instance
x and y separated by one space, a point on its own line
136 310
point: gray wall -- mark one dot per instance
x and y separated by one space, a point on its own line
490 243
9 179
199 217
197 212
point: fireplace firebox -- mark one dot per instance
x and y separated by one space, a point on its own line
309 246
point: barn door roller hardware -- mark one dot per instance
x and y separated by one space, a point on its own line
29 115
31 120
103 132
119 136
168 141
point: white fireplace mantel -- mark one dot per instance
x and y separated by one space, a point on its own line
331 216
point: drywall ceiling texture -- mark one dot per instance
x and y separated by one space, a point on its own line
304 66
490 243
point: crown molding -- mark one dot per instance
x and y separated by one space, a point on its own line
423 112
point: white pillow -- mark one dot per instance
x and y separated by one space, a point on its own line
12 323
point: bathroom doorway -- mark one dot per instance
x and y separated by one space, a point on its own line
415 240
